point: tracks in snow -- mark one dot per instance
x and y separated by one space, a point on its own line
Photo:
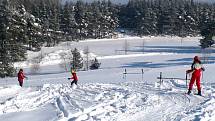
87 102
125 101
99 102
25 99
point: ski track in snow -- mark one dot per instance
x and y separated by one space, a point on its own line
109 102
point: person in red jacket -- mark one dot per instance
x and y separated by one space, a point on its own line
74 77
21 77
196 69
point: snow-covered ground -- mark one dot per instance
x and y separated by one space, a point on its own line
108 95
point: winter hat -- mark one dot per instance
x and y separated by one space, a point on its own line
196 59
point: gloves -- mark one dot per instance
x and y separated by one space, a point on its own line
188 71
203 69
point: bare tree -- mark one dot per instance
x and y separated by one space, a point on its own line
86 52
35 63
126 46
64 63
206 54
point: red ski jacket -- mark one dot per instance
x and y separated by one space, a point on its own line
74 76
21 76
196 69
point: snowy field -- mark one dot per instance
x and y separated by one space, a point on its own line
108 95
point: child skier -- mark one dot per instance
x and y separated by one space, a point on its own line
196 69
21 77
74 77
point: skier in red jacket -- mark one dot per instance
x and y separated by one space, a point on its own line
21 77
74 77
196 69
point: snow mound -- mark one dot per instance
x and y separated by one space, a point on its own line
123 101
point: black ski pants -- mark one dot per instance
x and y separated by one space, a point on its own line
74 81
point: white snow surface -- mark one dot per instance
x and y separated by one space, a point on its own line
106 94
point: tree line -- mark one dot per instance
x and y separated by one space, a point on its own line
31 24
166 17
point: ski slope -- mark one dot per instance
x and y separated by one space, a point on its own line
108 95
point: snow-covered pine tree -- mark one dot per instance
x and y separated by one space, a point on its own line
18 29
147 20
54 24
6 41
166 19
18 32
68 23
34 33
128 15
180 21
208 32
191 22
109 22
44 15
113 23
93 16
76 60
80 18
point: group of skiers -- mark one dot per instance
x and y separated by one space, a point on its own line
196 69
21 76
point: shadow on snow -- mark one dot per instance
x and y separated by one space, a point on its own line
169 63
170 49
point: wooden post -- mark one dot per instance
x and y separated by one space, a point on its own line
142 73
124 74
160 77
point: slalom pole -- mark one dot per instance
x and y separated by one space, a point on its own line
26 84
142 73
124 74
160 78
186 79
